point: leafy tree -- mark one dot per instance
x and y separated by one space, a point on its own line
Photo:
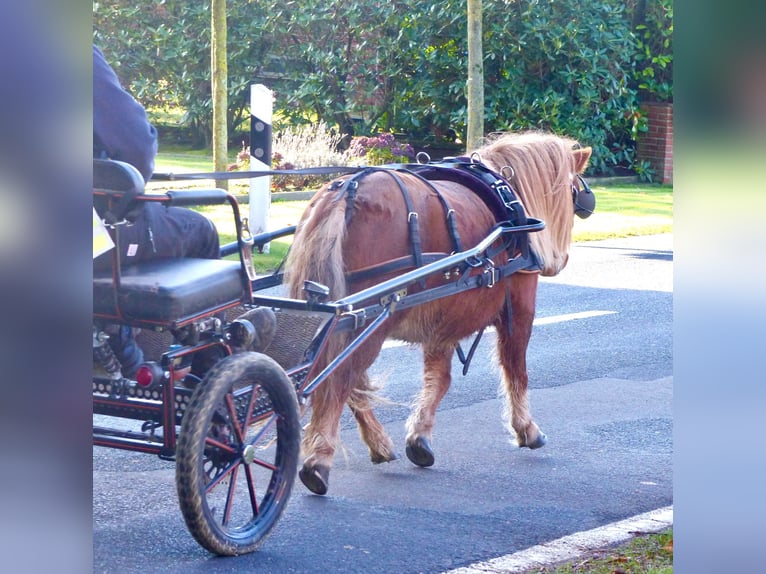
559 67
475 83
653 26
220 78
160 49
366 67
343 61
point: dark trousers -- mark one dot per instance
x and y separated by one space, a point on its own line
164 232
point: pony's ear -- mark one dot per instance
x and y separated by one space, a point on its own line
581 157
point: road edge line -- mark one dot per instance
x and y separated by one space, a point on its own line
573 545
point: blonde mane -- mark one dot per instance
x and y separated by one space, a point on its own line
542 167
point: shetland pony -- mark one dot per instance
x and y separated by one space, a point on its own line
339 235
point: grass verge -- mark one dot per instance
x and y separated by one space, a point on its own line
646 554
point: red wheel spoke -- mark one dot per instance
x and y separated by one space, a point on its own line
231 469
265 464
251 490
267 425
236 427
217 444
230 496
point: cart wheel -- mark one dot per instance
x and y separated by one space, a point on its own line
237 453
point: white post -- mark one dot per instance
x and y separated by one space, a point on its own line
261 104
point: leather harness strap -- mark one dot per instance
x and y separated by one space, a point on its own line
412 220
348 189
494 190
450 213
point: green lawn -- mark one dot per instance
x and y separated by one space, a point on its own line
647 554
627 209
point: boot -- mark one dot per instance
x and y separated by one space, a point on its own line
123 343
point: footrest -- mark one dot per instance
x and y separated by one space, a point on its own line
165 291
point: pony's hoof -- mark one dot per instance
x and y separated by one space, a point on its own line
537 443
419 452
315 478
379 458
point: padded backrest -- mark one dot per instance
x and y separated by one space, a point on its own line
116 185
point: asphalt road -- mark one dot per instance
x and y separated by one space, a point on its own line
600 364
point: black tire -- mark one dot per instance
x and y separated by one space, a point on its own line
234 480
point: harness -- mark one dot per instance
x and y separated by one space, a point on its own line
494 190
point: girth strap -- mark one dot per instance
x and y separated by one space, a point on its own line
412 220
451 222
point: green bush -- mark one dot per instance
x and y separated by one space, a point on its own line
654 55
565 66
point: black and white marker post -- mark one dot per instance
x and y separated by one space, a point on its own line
261 105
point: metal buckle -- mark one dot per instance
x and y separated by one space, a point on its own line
247 253
360 317
492 275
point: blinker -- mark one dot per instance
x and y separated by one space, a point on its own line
584 199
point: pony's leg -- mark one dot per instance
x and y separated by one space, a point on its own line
321 435
436 381
512 341
372 432
350 385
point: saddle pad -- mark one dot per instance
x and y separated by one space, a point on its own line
169 290
493 189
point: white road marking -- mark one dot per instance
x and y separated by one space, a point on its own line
574 545
571 317
538 322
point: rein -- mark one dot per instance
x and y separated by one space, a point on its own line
254 174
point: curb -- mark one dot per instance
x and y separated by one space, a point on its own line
574 545
612 180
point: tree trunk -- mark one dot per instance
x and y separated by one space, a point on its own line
475 84
219 79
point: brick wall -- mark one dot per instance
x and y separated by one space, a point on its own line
656 145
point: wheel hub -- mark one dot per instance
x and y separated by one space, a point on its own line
248 454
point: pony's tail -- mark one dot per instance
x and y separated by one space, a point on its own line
317 255
317 250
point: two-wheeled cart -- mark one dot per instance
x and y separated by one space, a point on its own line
227 416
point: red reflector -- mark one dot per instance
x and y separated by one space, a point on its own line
144 376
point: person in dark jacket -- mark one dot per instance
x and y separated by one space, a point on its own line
122 131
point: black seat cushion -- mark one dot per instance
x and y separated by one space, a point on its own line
166 291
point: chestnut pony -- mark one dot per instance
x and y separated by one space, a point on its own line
330 244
